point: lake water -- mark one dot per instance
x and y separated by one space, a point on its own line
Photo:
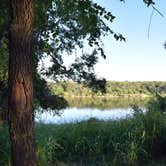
84 109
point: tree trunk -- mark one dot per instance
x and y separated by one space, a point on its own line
21 115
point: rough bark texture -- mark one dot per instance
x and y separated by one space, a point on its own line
21 116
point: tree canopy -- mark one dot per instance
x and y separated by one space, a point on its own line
62 28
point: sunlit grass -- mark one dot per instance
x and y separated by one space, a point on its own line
130 141
135 141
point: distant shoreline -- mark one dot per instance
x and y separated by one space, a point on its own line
111 89
109 96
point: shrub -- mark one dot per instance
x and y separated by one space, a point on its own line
126 142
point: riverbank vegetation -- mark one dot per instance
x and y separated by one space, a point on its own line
32 31
113 89
61 94
139 140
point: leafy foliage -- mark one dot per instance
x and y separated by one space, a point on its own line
149 2
66 27
61 28
4 59
4 19
111 88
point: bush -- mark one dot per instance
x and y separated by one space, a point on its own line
125 142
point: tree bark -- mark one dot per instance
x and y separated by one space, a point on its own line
21 114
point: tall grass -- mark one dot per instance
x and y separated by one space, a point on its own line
135 141
127 142
4 146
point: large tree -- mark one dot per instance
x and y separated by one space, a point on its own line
21 116
61 26
72 28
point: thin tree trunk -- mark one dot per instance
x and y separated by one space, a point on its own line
21 115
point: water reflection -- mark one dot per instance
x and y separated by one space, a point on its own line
106 103
86 108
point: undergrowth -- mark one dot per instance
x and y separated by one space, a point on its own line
139 140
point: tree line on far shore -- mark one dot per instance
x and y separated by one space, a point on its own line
113 88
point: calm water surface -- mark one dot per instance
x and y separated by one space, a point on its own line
81 110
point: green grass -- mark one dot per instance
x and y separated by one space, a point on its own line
4 146
128 142
140 140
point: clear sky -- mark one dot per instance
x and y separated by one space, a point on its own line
139 58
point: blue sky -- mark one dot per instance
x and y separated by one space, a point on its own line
139 58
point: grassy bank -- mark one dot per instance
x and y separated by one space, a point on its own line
136 141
